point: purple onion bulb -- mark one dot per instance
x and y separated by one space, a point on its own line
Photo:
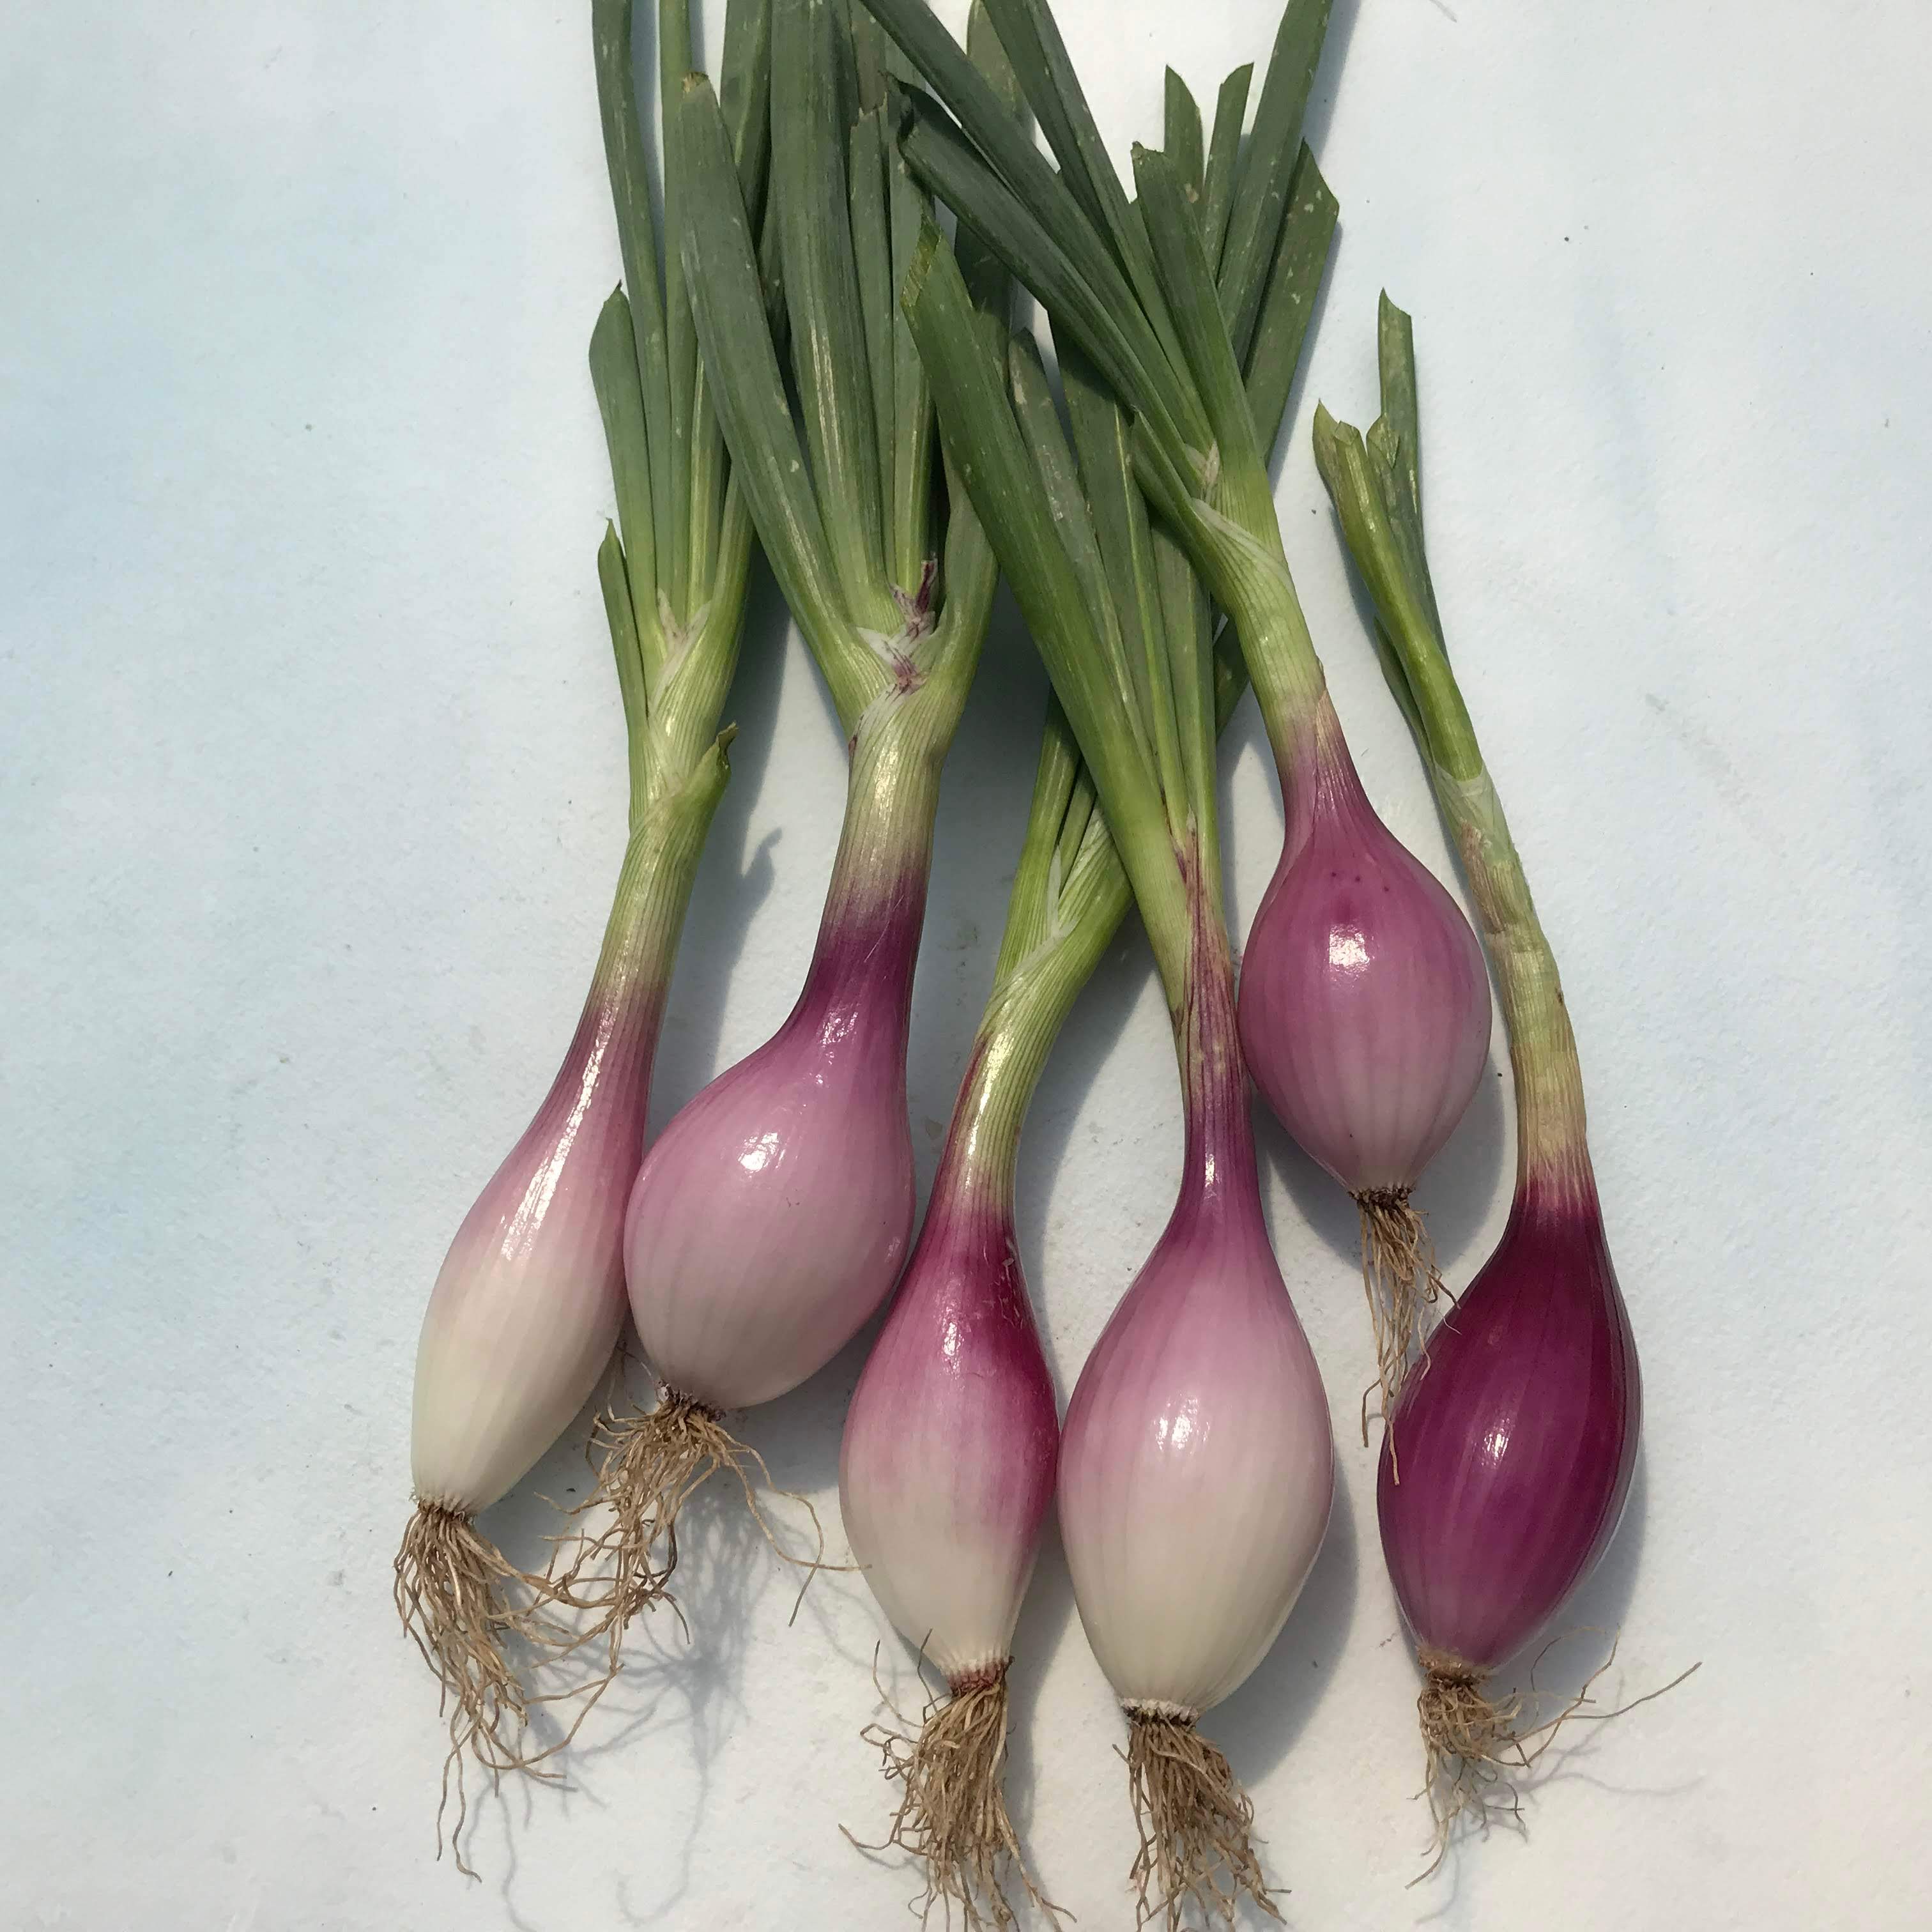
772 1216
1518 1434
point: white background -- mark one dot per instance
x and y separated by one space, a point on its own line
312 797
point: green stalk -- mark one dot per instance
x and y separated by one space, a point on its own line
1375 485
985 438
676 649
1178 351
1224 149
1070 894
839 487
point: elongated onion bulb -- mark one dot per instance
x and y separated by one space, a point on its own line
947 1465
530 1300
772 1215
1517 1439
1364 1001
1197 1471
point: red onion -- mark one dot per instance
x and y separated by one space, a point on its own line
1518 1430
1196 1472
1519 1433
771 1217
530 1300
951 1441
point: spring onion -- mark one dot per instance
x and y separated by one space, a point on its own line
1520 1432
772 1215
529 1302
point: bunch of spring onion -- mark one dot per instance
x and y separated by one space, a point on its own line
952 1438
1196 1470
772 1215
1364 1007
1520 1431
530 1300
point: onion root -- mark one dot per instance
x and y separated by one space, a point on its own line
654 1463
952 1816
1195 1822
1476 1746
460 1598
1399 1277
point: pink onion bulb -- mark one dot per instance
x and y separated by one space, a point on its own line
530 1300
772 1215
947 1465
1196 1473
1364 1002
770 1218
528 1305
1365 1019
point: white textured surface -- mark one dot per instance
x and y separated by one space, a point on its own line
310 800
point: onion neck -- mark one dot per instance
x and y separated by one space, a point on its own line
1376 485
859 983
1219 1181
1551 1144
610 1056
1235 541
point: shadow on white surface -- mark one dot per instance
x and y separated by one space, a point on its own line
1258 1726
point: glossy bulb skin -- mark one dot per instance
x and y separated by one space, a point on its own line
1364 999
1196 1468
1517 1440
530 1300
946 1469
772 1215
1197 1471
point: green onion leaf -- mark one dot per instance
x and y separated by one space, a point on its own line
729 311
1289 307
1224 155
637 237
1181 135
620 401
1255 217
829 349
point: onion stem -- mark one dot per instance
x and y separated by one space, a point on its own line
1376 483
